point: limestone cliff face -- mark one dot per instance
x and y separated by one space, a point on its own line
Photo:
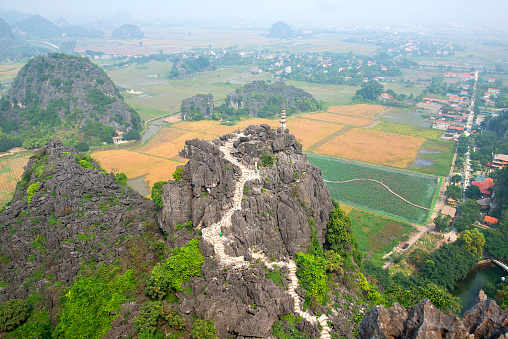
254 219
276 207
484 320
63 214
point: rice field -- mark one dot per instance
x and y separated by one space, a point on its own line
413 131
338 119
169 141
416 188
375 147
360 111
135 165
11 171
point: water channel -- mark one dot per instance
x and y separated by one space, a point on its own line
485 277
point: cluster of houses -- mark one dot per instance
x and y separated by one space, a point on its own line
489 95
452 124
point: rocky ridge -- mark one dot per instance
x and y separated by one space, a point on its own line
65 212
222 192
484 320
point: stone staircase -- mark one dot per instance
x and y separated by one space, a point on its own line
211 234
322 320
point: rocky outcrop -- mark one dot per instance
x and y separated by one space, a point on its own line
127 31
65 212
280 30
260 98
275 208
57 88
252 195
198 107
484 320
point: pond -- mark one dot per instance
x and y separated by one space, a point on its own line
139 185
407 117
423 163
484 277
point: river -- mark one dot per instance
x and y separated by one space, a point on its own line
484 277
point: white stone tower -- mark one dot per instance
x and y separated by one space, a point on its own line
283 118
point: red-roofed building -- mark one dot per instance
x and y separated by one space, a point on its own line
490 220
492 80
456 99
493 90
385 96
484 186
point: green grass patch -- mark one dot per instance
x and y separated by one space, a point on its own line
367 194
413 131
377 235
440 153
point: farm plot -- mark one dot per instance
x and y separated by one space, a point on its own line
416 188
136 165
360 111
308 132
10 173
413 131
377 235
338 119
439 153
381 148
169 141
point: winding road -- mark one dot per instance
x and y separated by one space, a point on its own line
212 234
382 184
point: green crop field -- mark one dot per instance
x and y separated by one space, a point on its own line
334 94
413 131
416 188
377 235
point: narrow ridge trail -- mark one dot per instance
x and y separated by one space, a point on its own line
211 234
382 184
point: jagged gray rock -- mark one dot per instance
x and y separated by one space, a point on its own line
76 214
484 320
277 202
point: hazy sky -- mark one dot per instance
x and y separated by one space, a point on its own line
418 11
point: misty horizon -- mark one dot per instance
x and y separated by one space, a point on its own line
465 13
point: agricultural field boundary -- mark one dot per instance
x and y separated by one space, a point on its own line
434 201
328 138
382 184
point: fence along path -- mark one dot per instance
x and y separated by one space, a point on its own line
382 184
212 233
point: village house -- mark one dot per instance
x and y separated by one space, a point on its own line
499 161
441 124
484 186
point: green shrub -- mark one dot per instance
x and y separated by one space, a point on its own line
89 304
152 312
13 313
121 179
267 159
85 161
313 279
168 276
157 192
202 329
82 147
31 191
178 173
